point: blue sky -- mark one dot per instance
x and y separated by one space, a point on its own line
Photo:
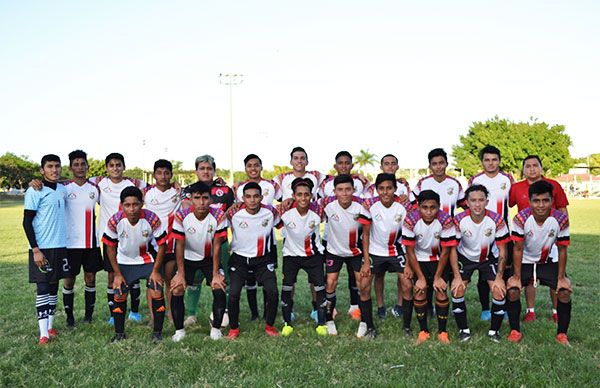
390 76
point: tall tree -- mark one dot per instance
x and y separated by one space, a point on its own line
16 171
365 158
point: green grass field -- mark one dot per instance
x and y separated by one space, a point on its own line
84 356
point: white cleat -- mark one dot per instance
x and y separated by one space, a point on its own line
215 334
362 330
179 335
190 321
331 329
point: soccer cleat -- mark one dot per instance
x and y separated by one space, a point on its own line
287 330
529 317
381 313
321 330
397 311
354 312
331 329
293 316
134 317
52 333
157 337
190 321
494 336
43 341
407 331
362 330
314 315
555 317
179 335
443 337
562 339
422 337
111 321
371 334
233 334
464 335
70 321
118 337
271 331
486 315
515 336
215 334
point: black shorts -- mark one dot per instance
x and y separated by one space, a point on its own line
382 264
429 268
547 274
312 265
57 268
134 272
88 258
487 269
334 263
105 261
204 266
258 268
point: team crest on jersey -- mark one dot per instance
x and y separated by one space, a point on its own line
378 217
419 237
174 200
530 233
271 267
107 190
291 225
265 192
355 217
467 233
154 201
72 196
92 195
123 235
398 219
436 235
243 224
219 193
552 233
335 217
210 229
191 230
145 233
503 186
450 190
488 232
265 222
312 224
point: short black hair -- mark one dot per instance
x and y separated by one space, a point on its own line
77 154
427 195
343 178
343 153
489 149
298 149
131 191
437 152
385 177
198 187
473 188
386 155
114 155
250 157
163 163
305 182
49 158
533 157
250 186
540 187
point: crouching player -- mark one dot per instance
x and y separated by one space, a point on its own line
199 230
128 236
482 236
302 249
537 232
429 236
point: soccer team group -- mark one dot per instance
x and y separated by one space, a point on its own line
177 238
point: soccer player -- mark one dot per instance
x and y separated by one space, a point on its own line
389 165
83 249
540 233
388 212
519 195
200 230
498 184
482 236
298 161
349 224
45 228
128 235
252 227
429 236
302 249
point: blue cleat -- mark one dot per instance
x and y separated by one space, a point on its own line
486 315
314 316
293 316
135 317
111 321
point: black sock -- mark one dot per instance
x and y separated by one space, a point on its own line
483 288
52 300
110 297
68 297
271 302
430 300
90 300
331 301
118 312
459 309
441 309
315 305
158 308
497 314
177 309
366 312
265 303
421 313
233 306
514 312
287 303
354 293
218 307
135 297
564 316
407 307
321 305
252 301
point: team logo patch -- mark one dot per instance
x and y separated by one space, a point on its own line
398 219
191 230
552 233
291 225
530 233
107 190
243 224
265 192
265 222
450 190
312 224
378 217
503 186
355 217
219 193
335 217
419 237
488 232
145 233
210 229
92 195
329 262
174 200
72 196
436 235
123 235
467 233
271 267
154 201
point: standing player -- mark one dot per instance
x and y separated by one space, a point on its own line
519 195
482 236
498 184
128 235
429 236
537 232
44 225
252 225
349 228
200 230
298 161
388 212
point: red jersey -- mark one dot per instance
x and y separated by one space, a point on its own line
519 195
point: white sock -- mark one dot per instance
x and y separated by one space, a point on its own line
50 323
43 324
554 311
531 310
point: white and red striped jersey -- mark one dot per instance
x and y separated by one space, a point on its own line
326 188
110 197
133 241
386 226
345 226
285 182
199 234
253 233
450 192
302 233
499 188
402 188
476 241
271 191
80 214
428 239
539 242
165 204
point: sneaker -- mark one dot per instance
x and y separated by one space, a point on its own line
70 321
215 334
397 311
321 330
407 331
52 333
314 315
494 336
362 330
271 331
381 312
443 337
134 317
43 341
118 337
486 315
354 312
464 335
563 339
287 330
190 321
87 319
555 317
515 336
422 337
331 329
157 337
179 335
111 321
233 334
529 317
371 334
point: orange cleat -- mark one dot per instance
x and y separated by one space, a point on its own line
43 341
515 336
52 333
562 339
233 334
443 337
355 314
529 317
422 337
271 331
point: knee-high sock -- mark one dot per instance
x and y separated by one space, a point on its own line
321 303
135 293
366 312
52 302
564 316
441 309
497 314
158 308
218 307
514 311
353 288
483 289
407 310
41 307
421 313
331 302
118 312
110 297
177 309
90 300
68 297
459 309
287 303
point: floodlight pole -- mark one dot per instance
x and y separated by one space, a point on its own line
230 80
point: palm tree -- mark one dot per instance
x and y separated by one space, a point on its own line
365 158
